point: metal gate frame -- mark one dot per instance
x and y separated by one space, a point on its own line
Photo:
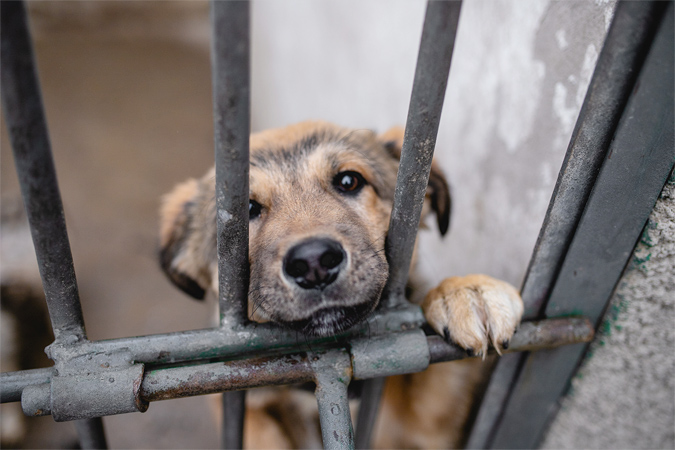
91 379
620 156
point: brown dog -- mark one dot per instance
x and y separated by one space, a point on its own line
320 201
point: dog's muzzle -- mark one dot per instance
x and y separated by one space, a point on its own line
314 263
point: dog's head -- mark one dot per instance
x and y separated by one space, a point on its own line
320 201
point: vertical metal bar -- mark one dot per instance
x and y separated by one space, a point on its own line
91 434
622 55
232 436
332 377
22 104
231 114
641 158
230 55
370 405
336 423
626 46
496 397
424 113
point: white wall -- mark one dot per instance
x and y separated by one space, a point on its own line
519 75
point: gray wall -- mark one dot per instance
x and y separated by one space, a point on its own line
624 394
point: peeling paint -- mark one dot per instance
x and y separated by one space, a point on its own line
224 216
561 39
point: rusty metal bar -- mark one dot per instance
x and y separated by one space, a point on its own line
164 384
27 125
368 410
253 338
230 61
332 374
232 427
184 381
12 384
424 114
531 336
91 433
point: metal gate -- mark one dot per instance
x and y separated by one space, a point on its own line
91 379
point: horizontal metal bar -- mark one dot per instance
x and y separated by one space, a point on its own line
424 114
13 383
251 339
231 115
390 354
24 115
531 336
164 384
176 382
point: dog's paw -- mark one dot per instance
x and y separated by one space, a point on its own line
473 311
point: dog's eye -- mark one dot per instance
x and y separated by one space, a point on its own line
349 182
254 209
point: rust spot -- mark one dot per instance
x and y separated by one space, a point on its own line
141 404
228 376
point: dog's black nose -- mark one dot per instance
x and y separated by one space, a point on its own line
314 263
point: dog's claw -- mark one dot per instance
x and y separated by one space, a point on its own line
446 335
474 311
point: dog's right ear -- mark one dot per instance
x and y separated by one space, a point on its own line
177 250
438 191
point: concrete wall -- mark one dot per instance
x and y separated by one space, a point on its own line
624 394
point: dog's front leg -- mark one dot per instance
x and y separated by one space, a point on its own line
473 311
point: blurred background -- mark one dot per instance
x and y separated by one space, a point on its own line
127 91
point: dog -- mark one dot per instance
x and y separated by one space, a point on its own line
320 202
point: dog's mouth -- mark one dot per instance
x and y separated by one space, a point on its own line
332 320
320 287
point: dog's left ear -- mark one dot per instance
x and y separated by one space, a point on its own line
182 255
438 191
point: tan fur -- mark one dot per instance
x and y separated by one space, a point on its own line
292 176
172 208
281 418
429 409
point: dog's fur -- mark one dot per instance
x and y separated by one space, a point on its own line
318 184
